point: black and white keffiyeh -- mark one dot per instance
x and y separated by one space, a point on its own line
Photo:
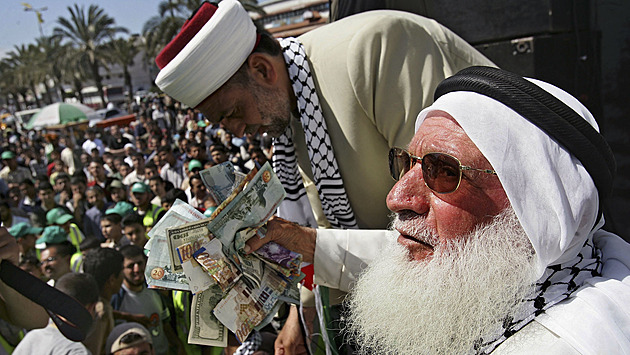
296 206
557 284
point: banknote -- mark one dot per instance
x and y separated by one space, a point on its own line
280 255
247 210
219 180
211 258
245 308
198 278
193 232
205 328
159 271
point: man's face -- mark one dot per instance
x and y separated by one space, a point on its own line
27 190
136 161
124 169
219 157
197 188
27 242
136 234
157 187
61 184
249 108
443 216
194 152
97 170
165 157
47 196
118 194
78 189
111 230
94 198
133 270
53 265
150 172
140 198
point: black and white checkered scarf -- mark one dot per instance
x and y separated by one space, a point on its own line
557 284
296 206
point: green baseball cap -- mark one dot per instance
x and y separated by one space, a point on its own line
194 164
201 124
22 229
7 154
58 216
140 187
51 235
121 208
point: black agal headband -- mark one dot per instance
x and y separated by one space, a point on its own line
544 110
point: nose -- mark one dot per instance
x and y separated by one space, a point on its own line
410 193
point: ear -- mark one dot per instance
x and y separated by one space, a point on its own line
261 68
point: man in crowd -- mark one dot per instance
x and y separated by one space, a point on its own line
91 143
57 252
356 88
129 338
141 197
81 287
11 167
137 175
92 220
172 170
25 235
498 227
105 265
136 303
134 229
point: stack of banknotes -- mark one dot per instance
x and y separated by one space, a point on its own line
232 290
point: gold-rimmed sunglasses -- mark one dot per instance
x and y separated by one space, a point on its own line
441 172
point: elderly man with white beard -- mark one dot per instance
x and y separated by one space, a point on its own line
497 221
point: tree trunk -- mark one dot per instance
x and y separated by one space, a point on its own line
98 81
129 87
37 102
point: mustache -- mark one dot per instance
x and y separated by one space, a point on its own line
413 225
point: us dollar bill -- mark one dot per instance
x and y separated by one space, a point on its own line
205 328
187 233
198 278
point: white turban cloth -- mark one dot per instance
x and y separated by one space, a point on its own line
211 57
551 192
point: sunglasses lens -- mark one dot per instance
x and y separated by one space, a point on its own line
399 163
441 172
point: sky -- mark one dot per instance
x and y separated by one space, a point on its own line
21 27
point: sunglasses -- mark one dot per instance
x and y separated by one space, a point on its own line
441 172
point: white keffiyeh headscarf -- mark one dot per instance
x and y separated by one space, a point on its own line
557 203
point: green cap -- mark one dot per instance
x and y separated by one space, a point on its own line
58 216
140 187
201 124
22 229
7 154
121 208
194 164
51 235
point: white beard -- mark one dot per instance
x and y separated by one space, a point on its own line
444 305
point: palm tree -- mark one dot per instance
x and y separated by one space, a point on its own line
122 52
25 63
88 31
55 52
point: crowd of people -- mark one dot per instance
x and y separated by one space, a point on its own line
495 246
83 202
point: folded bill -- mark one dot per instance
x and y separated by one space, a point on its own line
205 328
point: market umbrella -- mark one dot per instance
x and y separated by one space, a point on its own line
59 114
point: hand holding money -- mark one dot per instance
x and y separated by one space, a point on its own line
288 234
